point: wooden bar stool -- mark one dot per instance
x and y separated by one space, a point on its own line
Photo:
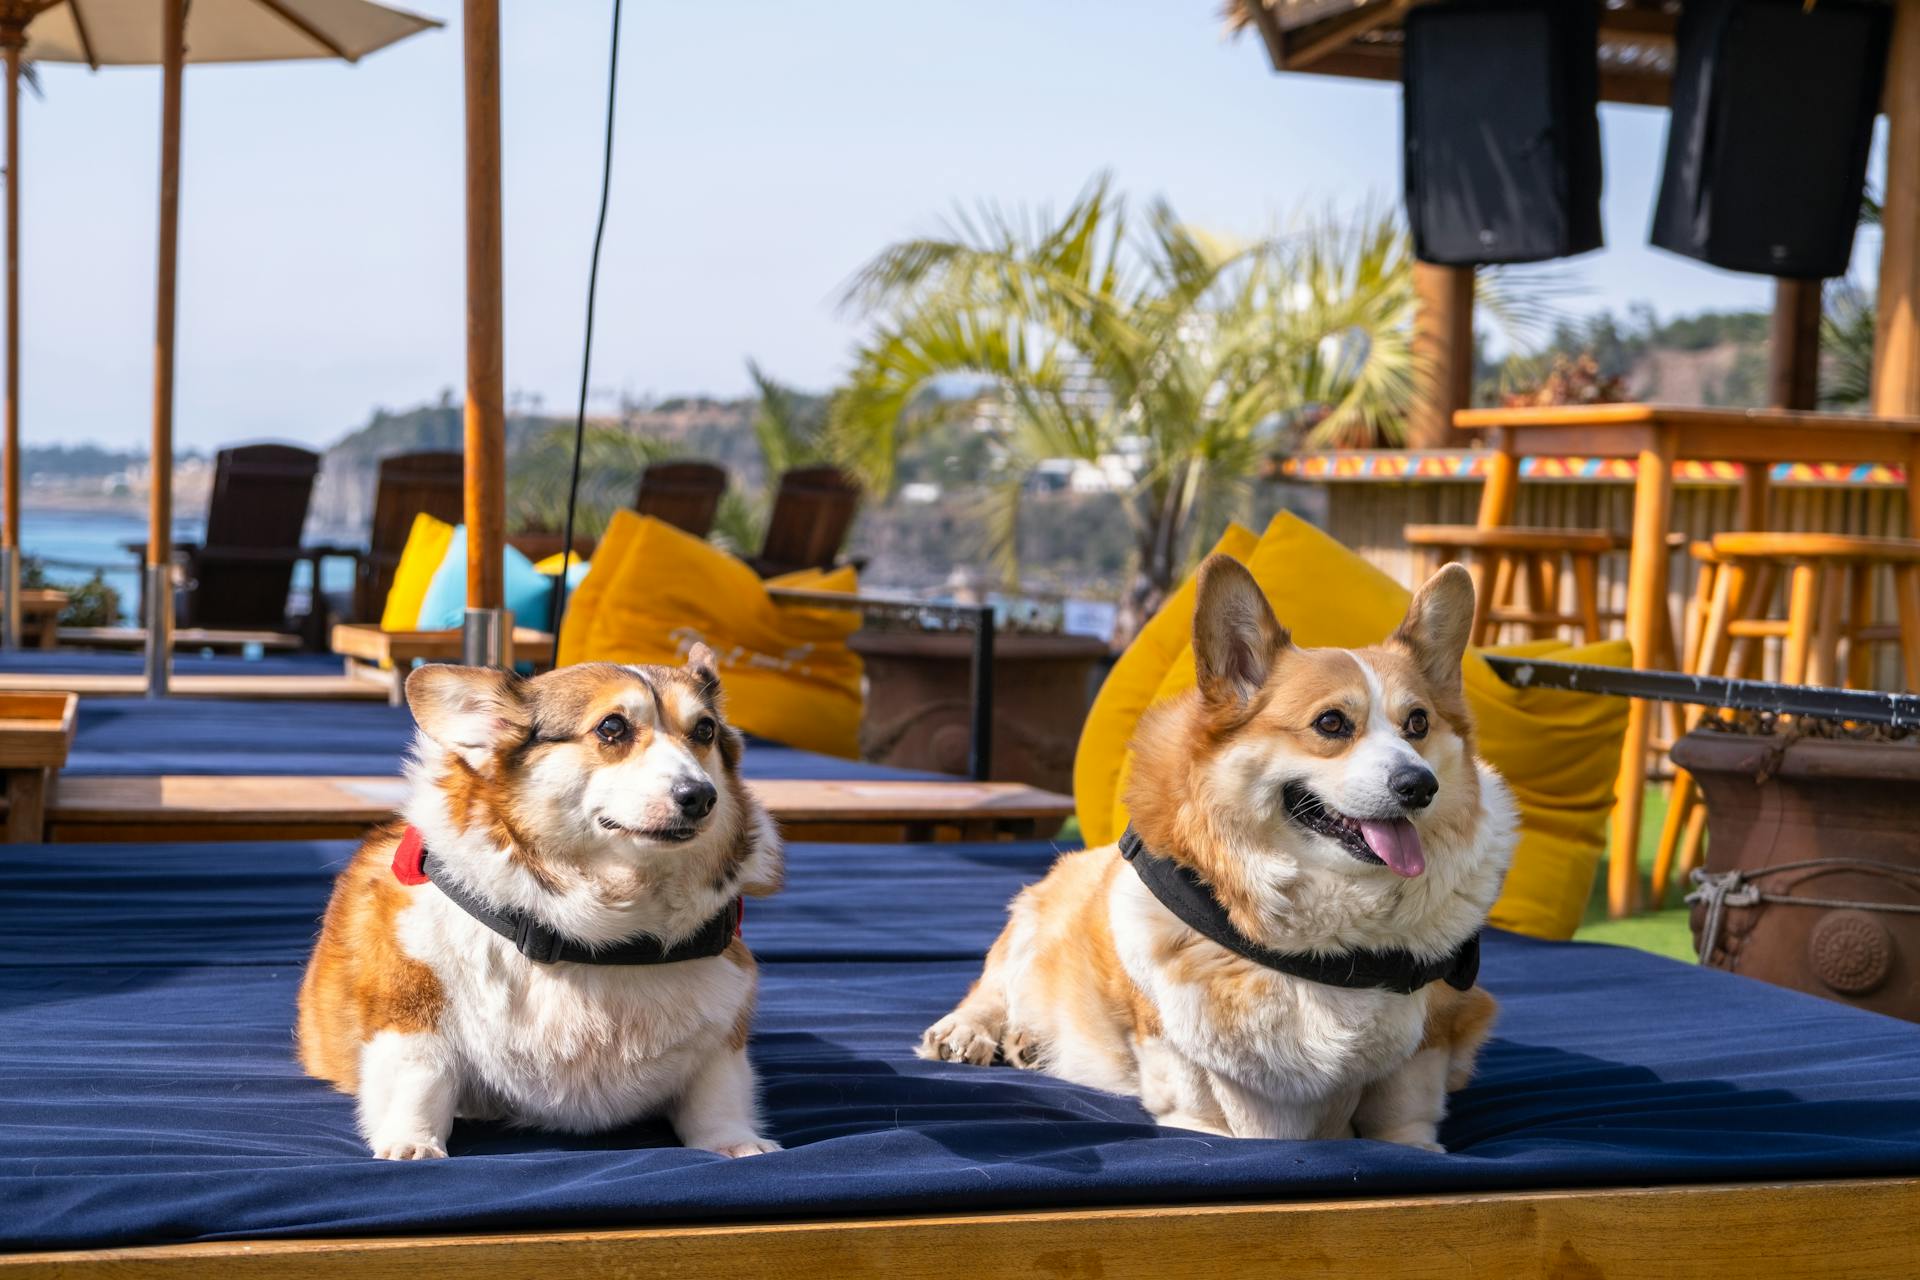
1503 559
1830 604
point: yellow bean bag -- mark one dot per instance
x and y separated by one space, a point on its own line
788 674
1128 690
1559 751
427 543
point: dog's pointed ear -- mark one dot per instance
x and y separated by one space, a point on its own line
471 711
703 665
1438 625
1235 635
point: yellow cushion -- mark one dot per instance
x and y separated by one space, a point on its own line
552 565
1558 751
788 673
1127 691
427 543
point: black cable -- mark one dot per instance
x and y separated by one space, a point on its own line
586 348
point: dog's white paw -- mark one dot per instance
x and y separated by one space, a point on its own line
414 1148
751 1147
957 1038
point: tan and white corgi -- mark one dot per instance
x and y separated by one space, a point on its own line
551 939
1313 844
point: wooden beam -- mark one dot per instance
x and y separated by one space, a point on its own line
1310 43
486 418
1783 1231
1793 345
1896 349
1442 353
160 455
12 36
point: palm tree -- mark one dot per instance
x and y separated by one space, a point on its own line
1103 338
793 429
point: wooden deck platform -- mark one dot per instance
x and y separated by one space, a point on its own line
187 808
1783 1231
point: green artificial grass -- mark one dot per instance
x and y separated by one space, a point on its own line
1664 932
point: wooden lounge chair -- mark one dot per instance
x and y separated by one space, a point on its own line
238 576
409 485
812 512
684 494
178 808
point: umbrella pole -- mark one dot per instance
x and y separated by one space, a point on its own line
12 36
487 636
159 578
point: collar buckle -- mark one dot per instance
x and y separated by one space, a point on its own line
537 942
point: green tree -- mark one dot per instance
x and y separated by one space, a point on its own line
1102 336
792 429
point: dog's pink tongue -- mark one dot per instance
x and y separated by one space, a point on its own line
1397 844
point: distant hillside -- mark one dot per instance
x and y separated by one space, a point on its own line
343 498
1713 358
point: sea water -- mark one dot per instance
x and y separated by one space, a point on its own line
72 544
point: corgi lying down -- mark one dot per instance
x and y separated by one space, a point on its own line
1284 944
552 938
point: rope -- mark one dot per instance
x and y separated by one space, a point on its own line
1718 890
586 346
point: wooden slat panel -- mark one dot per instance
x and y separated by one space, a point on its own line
299 688
178 808
1782 1231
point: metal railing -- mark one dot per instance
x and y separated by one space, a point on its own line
1862 706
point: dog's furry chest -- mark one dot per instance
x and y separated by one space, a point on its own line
568 1046
1286 1038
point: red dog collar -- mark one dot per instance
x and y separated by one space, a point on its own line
407 857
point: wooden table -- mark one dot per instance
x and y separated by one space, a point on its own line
176 809
1655 437
36 731
385 657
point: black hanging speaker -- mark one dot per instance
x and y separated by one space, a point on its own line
1502 130
1773 107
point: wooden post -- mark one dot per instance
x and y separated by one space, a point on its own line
487 630
1442 353
1793 345
159 587
12 36
1896 349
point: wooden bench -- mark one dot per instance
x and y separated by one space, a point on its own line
314 688
384 658
36 732
183 638
40 610
175 809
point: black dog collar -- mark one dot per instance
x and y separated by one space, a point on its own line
543 946
1181 892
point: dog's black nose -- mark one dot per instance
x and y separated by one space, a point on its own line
1413 785
695 796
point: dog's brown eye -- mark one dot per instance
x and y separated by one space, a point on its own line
1417 723
703 730
613 729
1333 724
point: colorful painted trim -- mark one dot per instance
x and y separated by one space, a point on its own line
1471 464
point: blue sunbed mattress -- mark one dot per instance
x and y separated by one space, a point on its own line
148 1092
140 737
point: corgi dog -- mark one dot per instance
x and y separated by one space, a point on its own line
551 939
1284 944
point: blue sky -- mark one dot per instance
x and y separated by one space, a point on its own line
765 150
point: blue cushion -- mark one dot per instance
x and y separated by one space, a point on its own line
529 592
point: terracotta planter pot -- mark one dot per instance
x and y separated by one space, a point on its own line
918 714
1812 847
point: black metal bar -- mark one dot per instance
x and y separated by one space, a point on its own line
1899 710
980 741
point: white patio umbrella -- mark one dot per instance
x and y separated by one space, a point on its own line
140 33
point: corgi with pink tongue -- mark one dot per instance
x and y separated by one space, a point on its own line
1285 942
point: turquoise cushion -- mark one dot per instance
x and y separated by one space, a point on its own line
444 608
